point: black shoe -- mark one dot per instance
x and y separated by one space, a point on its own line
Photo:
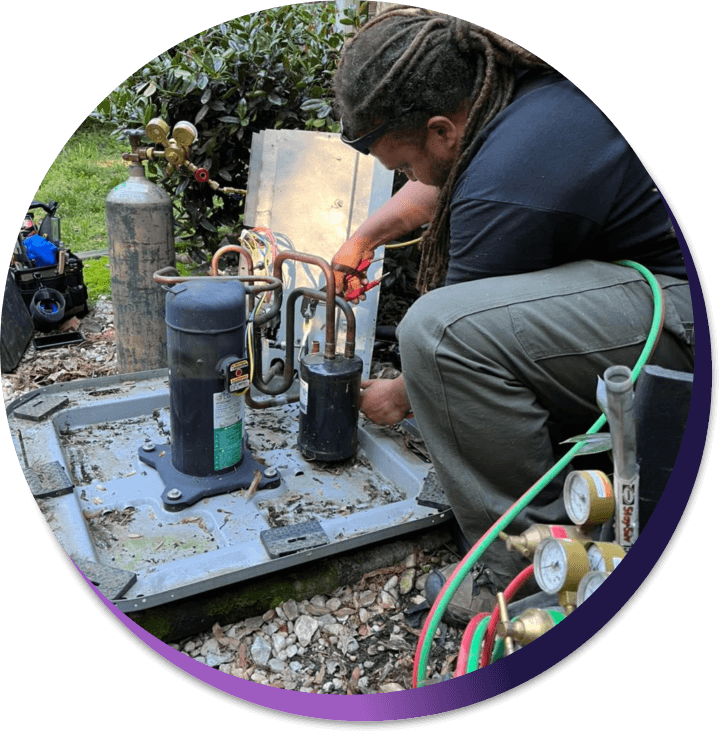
470 598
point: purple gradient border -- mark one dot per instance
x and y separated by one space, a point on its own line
546 651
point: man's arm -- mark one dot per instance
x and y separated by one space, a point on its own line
412 206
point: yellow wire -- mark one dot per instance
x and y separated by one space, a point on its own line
403 244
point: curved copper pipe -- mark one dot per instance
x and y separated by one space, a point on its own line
329 296
235 249
170 276
262 383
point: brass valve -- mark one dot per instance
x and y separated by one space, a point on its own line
529 625
175 149
530 539
504 623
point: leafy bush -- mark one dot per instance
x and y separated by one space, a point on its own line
271 69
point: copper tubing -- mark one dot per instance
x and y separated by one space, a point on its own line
169 276
262 383
329 296
232 249
345 306
271 402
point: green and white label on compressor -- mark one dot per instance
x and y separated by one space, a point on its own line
227 429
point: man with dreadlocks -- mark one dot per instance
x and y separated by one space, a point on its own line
531 194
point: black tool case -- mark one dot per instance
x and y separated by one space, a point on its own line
69 283
65 276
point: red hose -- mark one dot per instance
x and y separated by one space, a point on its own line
467 642
512 589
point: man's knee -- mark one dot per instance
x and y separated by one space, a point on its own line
422 328
412 326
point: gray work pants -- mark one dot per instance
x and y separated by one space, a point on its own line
499 370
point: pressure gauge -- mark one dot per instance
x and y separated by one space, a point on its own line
185 134
589 583
588 496
157 130
560 565
604 557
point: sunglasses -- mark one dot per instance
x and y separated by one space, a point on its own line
365 142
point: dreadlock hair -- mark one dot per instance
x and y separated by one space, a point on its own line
409 64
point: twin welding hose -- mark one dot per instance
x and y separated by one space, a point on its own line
436 612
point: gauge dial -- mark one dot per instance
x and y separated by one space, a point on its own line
560 564
604 557
589 583
588 496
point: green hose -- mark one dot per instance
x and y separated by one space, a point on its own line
464 567
476 645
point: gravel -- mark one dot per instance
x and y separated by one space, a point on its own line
359 639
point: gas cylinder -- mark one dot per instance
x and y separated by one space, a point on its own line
139 219
329 406
208 373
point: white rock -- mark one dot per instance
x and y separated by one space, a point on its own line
291 609
392 686
387 598
305 628
391 583
406 581
260 651
278 641
210 647
367 598
276 665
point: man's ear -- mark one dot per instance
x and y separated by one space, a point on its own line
442 133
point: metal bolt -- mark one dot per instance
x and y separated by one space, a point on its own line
148 445
269 472
174 494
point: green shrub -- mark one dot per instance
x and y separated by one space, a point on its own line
271 69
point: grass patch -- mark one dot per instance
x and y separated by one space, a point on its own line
80 178
96 274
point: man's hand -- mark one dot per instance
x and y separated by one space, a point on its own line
344 266
385 402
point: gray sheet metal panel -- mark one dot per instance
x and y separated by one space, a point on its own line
316 191
115 517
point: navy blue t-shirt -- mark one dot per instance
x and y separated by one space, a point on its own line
553 181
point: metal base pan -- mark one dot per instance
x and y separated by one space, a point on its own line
112 512
182 490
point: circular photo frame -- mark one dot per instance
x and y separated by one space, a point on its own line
527 663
